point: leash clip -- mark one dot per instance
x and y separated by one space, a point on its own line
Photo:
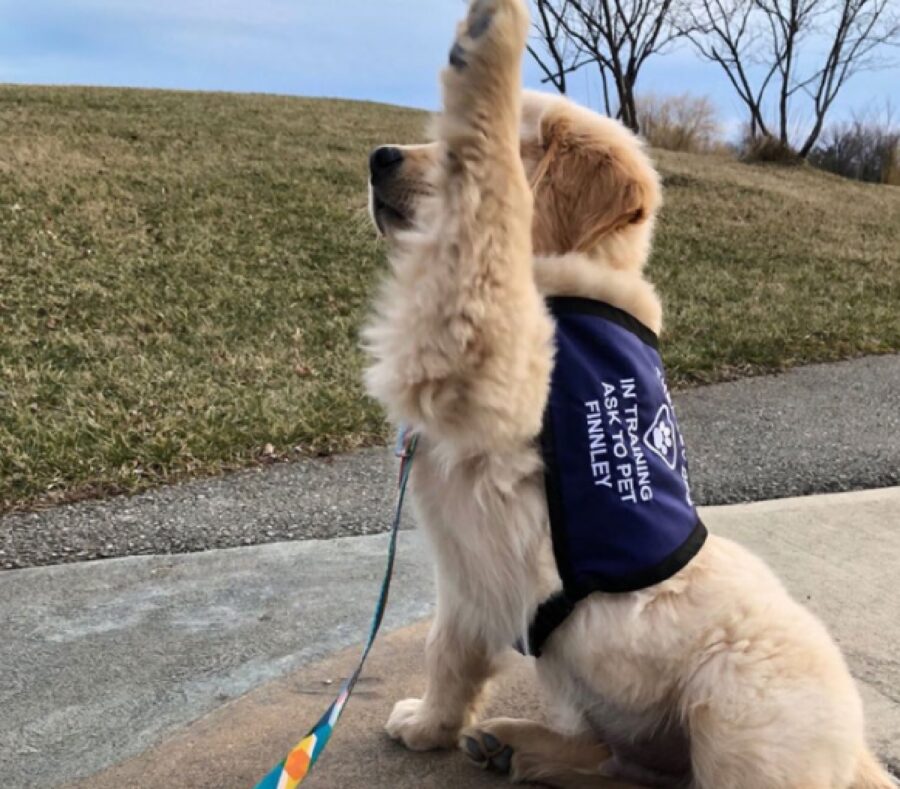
404 439
404 447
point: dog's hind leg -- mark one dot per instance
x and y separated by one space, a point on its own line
530 752
463 344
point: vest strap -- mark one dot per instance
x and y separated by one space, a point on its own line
549 615
556 609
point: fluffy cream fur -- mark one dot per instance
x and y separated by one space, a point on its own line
714 679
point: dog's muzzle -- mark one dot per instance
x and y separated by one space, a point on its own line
384 165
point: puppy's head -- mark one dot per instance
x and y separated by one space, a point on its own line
595 191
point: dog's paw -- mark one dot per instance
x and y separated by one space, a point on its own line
498 27
522 749
487 751
413 725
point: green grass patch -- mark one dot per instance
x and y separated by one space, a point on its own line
183 276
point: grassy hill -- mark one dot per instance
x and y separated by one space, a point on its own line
182 277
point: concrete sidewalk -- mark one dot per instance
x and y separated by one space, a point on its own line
106 662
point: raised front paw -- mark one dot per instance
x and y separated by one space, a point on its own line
418 729
493 29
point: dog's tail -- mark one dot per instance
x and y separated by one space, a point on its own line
871 775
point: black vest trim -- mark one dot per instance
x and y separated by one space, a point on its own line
555 610
576 304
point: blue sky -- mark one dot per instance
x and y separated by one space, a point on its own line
384 50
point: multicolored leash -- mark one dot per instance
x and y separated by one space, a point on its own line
296 766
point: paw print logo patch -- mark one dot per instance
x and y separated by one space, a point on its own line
661 437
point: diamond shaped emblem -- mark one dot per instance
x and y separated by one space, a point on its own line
662 438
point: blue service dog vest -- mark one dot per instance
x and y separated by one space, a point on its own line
616 472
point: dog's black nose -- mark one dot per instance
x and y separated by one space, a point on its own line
384 160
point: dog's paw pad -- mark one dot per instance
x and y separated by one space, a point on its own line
476 24
491 743
501 762
487 751
480 19
458 56
472 748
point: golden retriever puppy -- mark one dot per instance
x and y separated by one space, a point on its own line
711 677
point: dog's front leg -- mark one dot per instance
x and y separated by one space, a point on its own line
457 667
463 349
463 346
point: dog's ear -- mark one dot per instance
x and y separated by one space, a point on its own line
589 184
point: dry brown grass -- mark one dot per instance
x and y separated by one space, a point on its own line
683 123
765 149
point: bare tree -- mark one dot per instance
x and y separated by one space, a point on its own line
780 54
616 36
558 55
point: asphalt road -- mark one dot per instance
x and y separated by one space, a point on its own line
816 429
